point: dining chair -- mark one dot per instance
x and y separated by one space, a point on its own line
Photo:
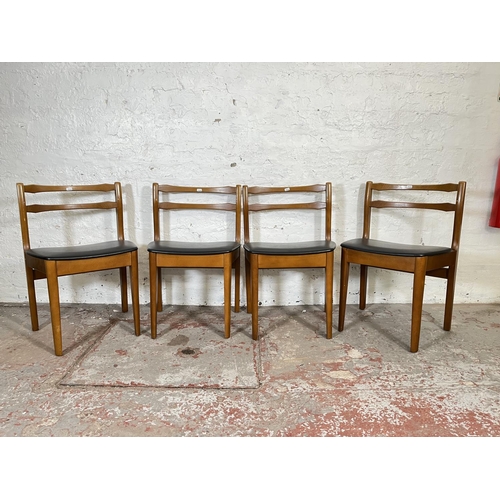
200 205
93 254
419 259
294 253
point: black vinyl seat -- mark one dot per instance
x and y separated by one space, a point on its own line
104 249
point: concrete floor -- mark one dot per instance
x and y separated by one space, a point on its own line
292 382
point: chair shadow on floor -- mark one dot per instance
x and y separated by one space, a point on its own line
372 319
211 318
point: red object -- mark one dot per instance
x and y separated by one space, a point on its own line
495 209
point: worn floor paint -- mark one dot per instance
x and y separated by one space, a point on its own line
292 382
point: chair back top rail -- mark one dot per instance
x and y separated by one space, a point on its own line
168 188
381 186
25 208
313 188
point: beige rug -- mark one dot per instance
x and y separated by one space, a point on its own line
191 356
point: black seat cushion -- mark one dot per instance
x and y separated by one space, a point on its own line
390 248
298 248
192 248
104 249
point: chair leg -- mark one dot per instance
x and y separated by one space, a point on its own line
159 299
344 279
363 275
248 282
123 286
55 308
227 295
153 292
134 284
329 294
417 301
30 277
254 296
237 278
450 292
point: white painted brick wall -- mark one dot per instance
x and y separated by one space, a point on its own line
228 123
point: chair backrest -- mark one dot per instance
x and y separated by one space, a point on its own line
26 208
457 207
325 204
198 200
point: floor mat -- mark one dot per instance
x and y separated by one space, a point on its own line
193 356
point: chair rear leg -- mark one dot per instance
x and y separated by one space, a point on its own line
153 293
227 295
450 293
55 308
363 275
248 282
237 278
344 279
134 284
30 278
159 299
329 294
417 301
123 286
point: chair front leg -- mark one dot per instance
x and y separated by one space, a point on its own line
329 294
254 267
55 308
248 281
417 301
134 284
227 295
450 293
344 279
153 293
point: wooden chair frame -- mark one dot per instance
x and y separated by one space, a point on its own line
420 260
312 254
50 263
175 254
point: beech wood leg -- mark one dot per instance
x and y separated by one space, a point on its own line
30 277
344 279
363 275
153 293
123 286
227 295
329 294
417 301
55 308
134 284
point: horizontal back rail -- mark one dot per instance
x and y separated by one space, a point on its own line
104 205
316 205
168 205
445 207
